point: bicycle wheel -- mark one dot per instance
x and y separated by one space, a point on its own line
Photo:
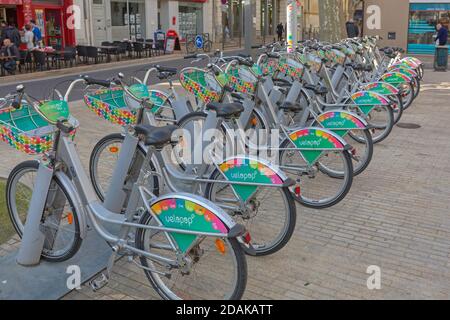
322 184
207 46
408 95
190 47
103 162
397 107
269 215
380 120
59 221
214 274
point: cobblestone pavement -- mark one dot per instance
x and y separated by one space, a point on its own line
397 217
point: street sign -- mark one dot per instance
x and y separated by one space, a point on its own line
199 42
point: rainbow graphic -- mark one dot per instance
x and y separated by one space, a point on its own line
395 77
337 115
325 140
381 88
182 214
245 164
369 98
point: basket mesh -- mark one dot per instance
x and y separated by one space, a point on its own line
201 84
26 130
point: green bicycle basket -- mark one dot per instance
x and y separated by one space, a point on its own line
202 84
27 131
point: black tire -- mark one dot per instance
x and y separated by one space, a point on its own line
336 199
286 234
241 262
398 113
190 47
363 167
10 185
114 137
408 103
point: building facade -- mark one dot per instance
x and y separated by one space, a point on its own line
410 24
51 16
108 20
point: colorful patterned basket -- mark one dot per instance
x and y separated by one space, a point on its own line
109 104
314 62
202 84
269 66
25 130
112 105
242 79
290 67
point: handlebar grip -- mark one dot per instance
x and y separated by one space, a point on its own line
190 56
243 55
103 83
256 47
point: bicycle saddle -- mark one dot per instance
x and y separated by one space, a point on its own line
155 136
169 70
317 89
226 110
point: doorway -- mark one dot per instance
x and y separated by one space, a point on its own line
99 22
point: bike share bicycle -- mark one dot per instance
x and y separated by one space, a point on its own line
180 240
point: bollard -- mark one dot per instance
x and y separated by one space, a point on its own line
33 239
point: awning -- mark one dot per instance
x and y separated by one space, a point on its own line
17 2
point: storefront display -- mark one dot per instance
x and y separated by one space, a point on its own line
49 15
423 18
190 18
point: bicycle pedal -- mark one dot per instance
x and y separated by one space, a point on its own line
99 282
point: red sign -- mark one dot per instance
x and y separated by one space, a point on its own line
27 13
18 2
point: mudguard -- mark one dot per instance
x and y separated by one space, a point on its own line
251 170
395 78
412 62
341 122
406 71
192 213
313 141
368 100
382 88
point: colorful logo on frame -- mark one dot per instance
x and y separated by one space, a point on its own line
183 214
249 171
313 142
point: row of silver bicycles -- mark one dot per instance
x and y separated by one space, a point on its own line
208 169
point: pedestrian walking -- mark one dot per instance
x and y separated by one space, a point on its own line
352 29
280 31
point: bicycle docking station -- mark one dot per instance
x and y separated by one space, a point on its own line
33 237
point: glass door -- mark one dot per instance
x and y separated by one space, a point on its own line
53 28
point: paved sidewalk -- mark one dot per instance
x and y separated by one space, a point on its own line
397 217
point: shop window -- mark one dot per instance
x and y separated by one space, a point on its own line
423 19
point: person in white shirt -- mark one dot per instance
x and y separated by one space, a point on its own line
28 37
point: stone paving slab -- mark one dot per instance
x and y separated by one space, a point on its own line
395 217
